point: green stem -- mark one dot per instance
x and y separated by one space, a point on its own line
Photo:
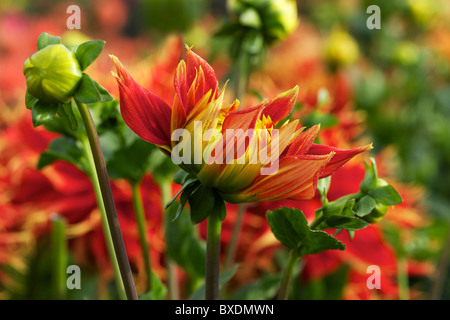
242 75
287 276
139 212
60 257
214 226
108 201
166 196
316 223
104 219
402 278
441 272
232 247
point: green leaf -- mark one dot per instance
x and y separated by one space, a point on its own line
220 206
184 199
188 183
90 91
181 176
323 185
345 222
291 228
370 177
62 148
202 203
89 51
43 112
131 162
199 294
106 116
158 291
65 112
386 195
184 246
264 288
337 207
364 205
46 39
58 125
30 100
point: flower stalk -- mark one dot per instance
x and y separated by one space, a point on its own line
285 286
166 196
142 229
108 201
60 256
104 219
214 226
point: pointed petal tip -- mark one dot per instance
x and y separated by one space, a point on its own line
114 59
291 92
315 128
115 75
120 69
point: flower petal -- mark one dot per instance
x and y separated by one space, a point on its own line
279 107
304 141
193 79
306 169
243 119
145 113
194 64
341 156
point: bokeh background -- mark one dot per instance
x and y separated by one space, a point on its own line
388 86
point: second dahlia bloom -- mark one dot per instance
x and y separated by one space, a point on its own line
246 155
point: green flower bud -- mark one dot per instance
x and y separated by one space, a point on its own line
52 74
376 214
379 210
276 18
282 19
341 48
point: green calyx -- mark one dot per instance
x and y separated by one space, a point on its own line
356 211
52 74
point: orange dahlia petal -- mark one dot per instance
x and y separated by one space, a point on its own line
341 156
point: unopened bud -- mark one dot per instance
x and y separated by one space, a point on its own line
52 74
278 17
341 49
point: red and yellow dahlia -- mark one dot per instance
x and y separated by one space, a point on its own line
246 155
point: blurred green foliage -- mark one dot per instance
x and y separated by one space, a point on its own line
403 88
170 15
